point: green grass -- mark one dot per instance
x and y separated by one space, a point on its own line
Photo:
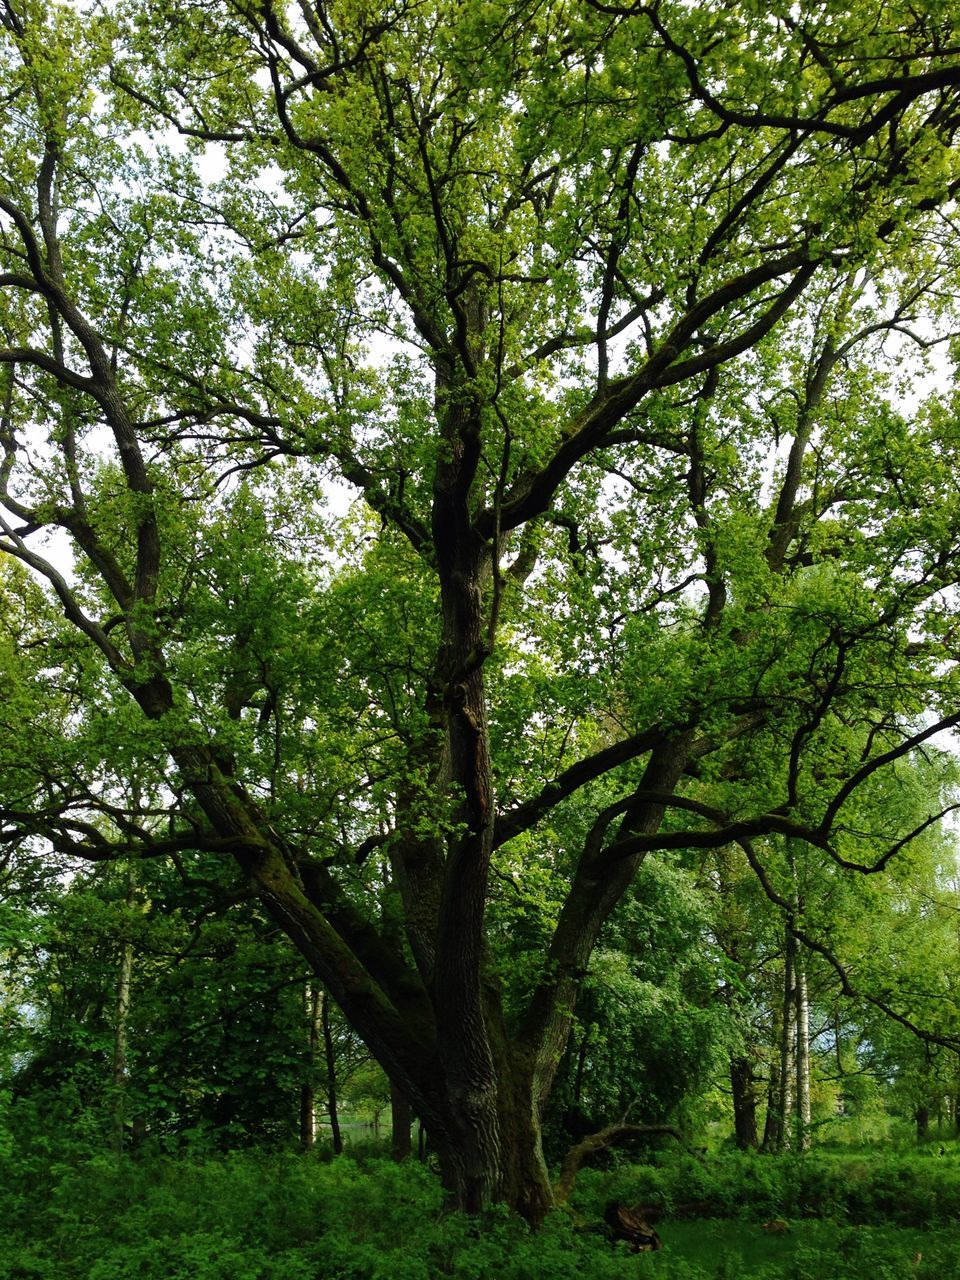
878 1187
726 1249
66 1214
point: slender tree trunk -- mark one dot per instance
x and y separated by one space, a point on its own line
788 1039
743 1086
771 1124
122 1019
331 1066
308 1099
922 1119
581 1068
803 1057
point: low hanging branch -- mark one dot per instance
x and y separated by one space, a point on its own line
613 1136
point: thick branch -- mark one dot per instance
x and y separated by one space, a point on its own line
613 1136
529 813
533 494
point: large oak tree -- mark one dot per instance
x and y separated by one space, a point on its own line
604 313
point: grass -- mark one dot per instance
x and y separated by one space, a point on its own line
77 1215
726 1249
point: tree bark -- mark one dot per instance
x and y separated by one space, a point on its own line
122 1019
771 1124
744 1090
803 1057
331 1066
308 1100
401 1123
788 1041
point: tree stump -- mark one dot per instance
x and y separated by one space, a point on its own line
627 1224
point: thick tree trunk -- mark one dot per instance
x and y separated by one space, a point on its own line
435 1026
472 1152
744 1088
520 1178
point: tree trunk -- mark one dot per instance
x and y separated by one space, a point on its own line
771 1123
772 1135
331 1066
743 1086
788 1040
308 1100
519 1177
401 1121
922 1119
435 1026
122 1019
803 1057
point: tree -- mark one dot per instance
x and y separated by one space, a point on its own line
649 1030
588 304
168 1013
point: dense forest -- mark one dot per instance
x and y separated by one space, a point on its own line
480 530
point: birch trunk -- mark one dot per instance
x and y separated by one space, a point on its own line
788 1040
308 1099
122 1019
803 1057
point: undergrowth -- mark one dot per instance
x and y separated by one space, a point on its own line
69 1213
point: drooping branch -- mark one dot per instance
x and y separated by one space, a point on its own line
820 948
613 1135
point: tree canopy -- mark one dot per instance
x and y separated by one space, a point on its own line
612 323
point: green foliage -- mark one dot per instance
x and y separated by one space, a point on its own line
273 1217
649 551
648 1033
874 1187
